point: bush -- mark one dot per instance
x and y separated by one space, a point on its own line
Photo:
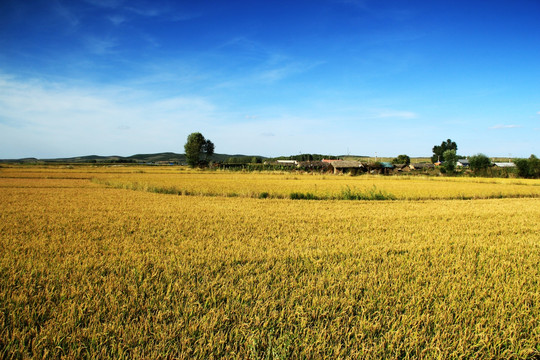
528 167
522 167
303 196
479 162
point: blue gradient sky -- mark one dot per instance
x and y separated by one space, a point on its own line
269 77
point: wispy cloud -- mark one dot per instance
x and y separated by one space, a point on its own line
500 126
125 12
396 114
279 73
66 120
105 3
147 11
100 46
117 19
63 12
261 64
361 4
245 47
396 14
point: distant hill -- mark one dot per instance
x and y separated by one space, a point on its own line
165 157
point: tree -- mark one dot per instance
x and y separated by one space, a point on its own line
450 160
528 167
522 167
402 159
479 162
438 151
534 166
198 150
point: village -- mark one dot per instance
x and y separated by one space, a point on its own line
384 167
355 167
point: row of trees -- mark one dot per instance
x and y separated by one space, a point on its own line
244 160
446 153
528 168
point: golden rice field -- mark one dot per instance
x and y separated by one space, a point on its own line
90 268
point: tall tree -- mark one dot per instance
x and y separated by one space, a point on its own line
198 150
438 151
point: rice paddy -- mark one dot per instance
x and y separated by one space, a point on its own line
141 262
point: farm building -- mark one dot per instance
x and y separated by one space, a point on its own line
387 167
346 166
287 162
314 165
421 166
504 164
463 163
401 167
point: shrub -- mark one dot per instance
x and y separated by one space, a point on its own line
303 196
479 162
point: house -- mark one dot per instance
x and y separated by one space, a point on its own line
463 163
346 166
314 165
421 166
401 167
387 167
287 162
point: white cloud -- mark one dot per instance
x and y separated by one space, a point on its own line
277 74
500 126
273 74
67 121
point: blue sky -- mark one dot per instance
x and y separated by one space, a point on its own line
270 78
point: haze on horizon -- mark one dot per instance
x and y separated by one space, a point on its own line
115 77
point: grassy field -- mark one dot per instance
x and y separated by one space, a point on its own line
90 268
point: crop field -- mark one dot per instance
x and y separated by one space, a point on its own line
165 262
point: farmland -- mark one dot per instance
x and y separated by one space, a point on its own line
141 262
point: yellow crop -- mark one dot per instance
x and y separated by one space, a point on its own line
90 270
282 185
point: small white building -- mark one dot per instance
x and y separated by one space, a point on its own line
288 162
504 164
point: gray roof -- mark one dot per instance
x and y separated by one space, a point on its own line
340 164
